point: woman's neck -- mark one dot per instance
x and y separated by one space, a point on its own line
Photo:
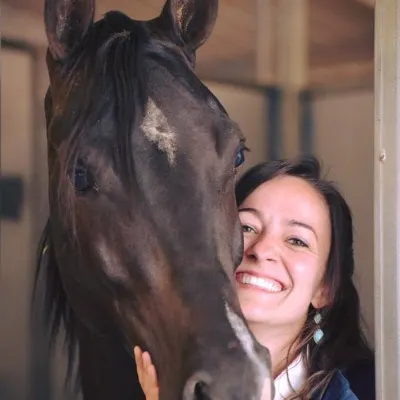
281 343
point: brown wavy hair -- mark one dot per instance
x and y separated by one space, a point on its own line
344 343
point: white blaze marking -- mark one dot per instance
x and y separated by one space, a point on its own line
156 128
111 262
247 342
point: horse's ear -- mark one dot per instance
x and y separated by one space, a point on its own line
193 20
66 22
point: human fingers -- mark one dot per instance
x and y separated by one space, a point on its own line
139 364
146 359
152 389
150 370
146 374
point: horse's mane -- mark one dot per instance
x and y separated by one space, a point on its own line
58 313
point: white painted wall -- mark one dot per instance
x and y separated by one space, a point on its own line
344 140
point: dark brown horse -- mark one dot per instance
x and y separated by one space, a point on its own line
143 234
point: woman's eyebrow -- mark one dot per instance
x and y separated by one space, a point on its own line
251 210
294 222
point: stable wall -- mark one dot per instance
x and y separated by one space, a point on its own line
344 140
248 107
16 241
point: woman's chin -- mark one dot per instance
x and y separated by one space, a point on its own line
254 313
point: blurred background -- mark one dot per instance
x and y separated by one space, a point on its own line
297 76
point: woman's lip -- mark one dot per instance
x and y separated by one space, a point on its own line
263 282
261 275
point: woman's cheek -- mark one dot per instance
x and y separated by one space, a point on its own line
301 265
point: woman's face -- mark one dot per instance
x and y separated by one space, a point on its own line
286 228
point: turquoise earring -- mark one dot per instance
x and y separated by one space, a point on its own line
318 333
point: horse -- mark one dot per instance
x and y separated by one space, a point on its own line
143 234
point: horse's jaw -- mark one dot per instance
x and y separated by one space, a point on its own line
188 361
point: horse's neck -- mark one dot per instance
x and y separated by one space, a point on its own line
107 371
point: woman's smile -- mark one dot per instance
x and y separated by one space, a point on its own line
252 280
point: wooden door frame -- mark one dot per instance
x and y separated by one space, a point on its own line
387 198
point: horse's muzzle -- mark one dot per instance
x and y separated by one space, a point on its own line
197 386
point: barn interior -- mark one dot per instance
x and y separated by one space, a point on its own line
296 75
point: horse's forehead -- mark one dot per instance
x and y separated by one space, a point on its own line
174 110
180 95
158 130
175 101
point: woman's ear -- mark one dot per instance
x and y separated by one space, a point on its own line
321 297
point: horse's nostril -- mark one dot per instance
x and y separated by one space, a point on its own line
200 391
196 387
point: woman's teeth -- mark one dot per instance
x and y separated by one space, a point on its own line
269 285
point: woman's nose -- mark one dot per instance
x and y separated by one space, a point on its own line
265 248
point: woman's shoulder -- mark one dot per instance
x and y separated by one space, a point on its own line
356 382
361 378
339 389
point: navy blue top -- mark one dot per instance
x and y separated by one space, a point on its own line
355 383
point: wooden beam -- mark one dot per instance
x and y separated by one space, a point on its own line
292 43
292 67
336 77
387 198
369 3
282 60
342 75
13 19
266 37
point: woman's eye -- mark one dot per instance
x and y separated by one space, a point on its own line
298 242
248 229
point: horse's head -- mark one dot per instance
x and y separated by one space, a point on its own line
142 160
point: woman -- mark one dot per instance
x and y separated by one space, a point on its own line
295 284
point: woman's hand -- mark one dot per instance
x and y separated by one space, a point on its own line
147 374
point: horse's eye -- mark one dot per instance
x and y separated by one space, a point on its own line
82 180
239 158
